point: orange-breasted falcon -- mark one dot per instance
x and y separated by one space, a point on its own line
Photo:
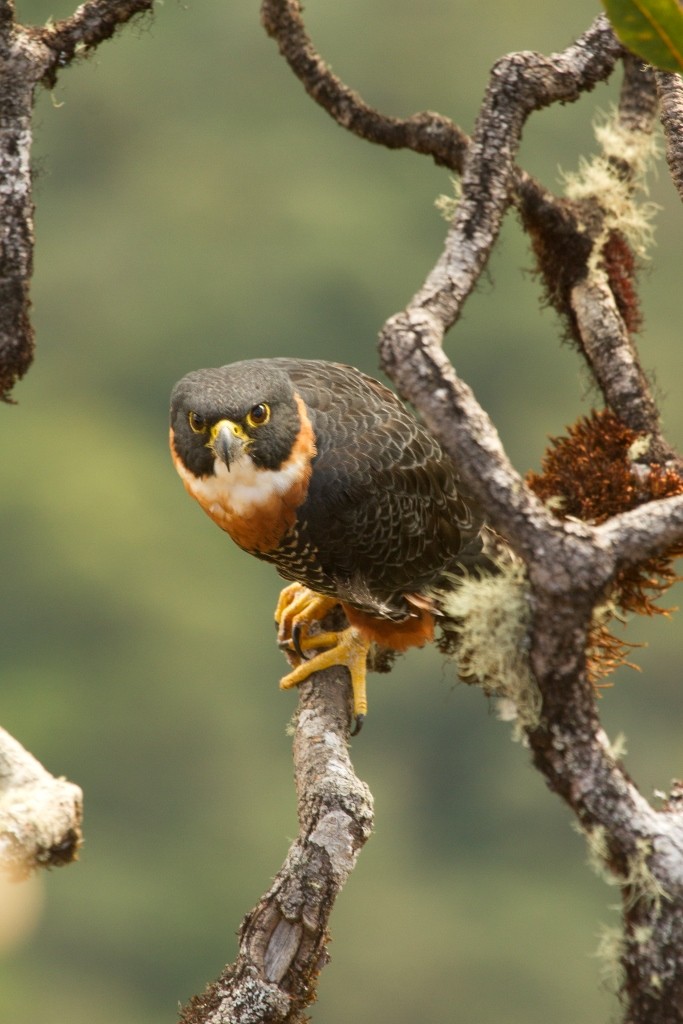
321 470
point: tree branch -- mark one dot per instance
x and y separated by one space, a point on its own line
283 940
92 23
568 569
520 83
638 106
643 532
40 816
613 359
670 90
29 56
427 132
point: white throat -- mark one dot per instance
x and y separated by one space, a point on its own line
243 486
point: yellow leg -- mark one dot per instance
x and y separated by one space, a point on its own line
296 609
346 648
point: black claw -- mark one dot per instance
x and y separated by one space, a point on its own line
358 724
297 633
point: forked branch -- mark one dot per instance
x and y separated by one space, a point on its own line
570 565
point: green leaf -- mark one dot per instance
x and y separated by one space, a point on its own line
652 29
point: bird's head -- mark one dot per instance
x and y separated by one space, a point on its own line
246 410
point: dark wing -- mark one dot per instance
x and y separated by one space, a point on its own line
383 508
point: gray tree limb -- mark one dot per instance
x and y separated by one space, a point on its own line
283 940
30 56
670 90
40 815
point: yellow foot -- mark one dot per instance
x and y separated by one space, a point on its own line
348 648
296 609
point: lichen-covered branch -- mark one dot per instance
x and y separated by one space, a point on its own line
637 111
283 940
570 566
603 300
40 815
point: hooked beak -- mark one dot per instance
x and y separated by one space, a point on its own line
227 441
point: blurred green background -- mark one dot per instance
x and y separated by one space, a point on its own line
195 207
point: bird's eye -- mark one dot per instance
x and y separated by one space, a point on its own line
259 415
197 423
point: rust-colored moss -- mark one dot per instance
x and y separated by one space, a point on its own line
590 474
619 264
561 251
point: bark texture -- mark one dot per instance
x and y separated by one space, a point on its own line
31 56
283 940
40 816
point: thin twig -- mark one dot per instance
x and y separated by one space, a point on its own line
91 24
427 132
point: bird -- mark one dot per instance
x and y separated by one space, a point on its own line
321 470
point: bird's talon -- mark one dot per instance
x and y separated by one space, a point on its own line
296 638
357 724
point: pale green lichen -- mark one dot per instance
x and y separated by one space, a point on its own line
638 882
620 198
609 954
555 503
616 748
447 205
642 933
642 883
639 448
490 616
597 851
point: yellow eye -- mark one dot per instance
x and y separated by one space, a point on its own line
197 423
259 415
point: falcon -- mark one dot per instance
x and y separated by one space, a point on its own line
322 471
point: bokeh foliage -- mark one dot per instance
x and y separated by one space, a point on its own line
194 207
